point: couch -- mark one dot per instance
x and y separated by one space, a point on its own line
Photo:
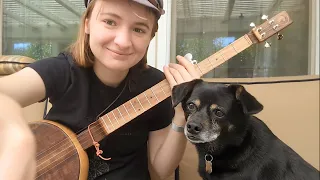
291 110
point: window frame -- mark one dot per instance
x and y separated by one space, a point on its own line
313 64
316 21
160 49
1 25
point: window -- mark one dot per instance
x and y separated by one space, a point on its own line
202 27
39 28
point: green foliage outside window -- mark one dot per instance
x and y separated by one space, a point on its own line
37 50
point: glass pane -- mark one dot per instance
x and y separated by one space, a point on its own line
39 28
202 27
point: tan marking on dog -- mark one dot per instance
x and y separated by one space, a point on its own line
238 92
197 102
213 106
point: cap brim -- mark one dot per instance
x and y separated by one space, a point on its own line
148 4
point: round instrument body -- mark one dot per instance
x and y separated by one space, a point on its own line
59 153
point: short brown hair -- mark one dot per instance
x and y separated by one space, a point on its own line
80 49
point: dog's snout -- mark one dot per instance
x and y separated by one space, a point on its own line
194 128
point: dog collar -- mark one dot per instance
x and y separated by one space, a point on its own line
208 159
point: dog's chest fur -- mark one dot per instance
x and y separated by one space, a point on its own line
242 146
261 156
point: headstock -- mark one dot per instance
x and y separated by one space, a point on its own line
271 27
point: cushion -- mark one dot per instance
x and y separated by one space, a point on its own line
13 63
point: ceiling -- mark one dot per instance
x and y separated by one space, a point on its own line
229 9
37 13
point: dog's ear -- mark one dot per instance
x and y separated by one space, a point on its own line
249 103
181 91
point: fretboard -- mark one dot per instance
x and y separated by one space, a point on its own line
154 95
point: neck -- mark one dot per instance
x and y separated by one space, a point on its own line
227 157
107 76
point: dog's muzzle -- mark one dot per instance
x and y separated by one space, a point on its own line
194 128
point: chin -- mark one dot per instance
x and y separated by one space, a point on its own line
117 65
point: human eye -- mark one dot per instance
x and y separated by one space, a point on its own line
110 22
139 30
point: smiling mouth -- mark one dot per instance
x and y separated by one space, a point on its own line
119 53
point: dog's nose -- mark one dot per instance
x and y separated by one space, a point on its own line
193 128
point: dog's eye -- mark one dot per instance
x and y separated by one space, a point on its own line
191 107
218 113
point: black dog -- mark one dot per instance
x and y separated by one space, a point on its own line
233 144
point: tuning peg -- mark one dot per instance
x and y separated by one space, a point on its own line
280 36
264 17
252 25
267 44
188 56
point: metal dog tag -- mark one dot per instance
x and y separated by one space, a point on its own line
208 158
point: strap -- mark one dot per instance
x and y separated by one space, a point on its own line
177 128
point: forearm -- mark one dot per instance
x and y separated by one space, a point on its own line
14 137
171 152
11 114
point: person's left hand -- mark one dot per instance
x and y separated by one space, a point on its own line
179 73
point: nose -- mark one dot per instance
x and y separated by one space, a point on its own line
194 128
123 38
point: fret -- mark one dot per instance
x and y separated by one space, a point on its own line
127 111
133 107
105 124
222 56
162 90
243 43
234 48
115 117
206 65
168 88
140 103
201 73
229 53
210 62
110 121
154 94
121 114
147 98
247 39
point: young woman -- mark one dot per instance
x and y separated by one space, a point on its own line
104 68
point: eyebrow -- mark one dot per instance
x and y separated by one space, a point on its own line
118 17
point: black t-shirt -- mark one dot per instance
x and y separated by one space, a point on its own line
78 97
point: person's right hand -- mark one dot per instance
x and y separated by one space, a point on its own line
17 151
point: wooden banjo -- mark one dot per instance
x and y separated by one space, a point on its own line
61 153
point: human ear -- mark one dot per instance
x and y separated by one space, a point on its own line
86 26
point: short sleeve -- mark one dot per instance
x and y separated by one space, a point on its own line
55 73
161 115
